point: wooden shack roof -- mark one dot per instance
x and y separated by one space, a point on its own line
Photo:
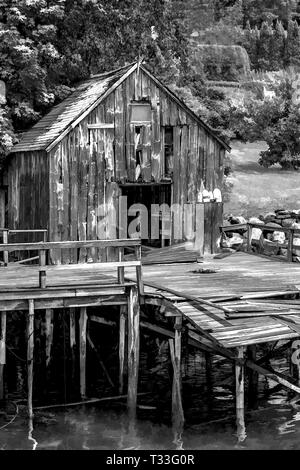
55 125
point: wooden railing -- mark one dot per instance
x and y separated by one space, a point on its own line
5 238
248 227
44 247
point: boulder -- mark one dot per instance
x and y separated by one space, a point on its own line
287 223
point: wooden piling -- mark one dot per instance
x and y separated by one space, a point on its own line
133 350
30 350
175 352
2 352
295 361
73 340
240 399
82 350
122 342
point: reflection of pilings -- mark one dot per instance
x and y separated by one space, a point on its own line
240 399
73 341
122 341
208 371
49 338
30 349
82 350
133 349
2 351
252 375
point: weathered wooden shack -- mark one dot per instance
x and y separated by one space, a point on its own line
119 133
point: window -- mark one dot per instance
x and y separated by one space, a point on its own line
169 151
140 112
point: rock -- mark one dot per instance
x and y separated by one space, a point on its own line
287 223
256 220
295 226
270 217
273 224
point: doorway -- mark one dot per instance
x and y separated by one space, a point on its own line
156 198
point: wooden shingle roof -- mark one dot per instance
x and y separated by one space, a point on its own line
47 132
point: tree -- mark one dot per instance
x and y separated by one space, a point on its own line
265 46
278 47
46 46
292 50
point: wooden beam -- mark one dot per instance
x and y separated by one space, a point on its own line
30 350
2 352
93 347
82 350
101 320
71 244
101 125
193 299
133 350
273 376
240 395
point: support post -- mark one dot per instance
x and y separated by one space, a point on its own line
2 352
295 361
290 246
122 342
42 272
30 349
82 349
73 339
249 230
175 351
240 398
121 270
133 350
5 241
139 279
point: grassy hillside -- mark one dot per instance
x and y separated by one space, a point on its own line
256 189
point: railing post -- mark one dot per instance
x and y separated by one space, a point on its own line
42 272
5 241
121 270
139 280
290 246
249 230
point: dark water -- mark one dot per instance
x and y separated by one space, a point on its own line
210 419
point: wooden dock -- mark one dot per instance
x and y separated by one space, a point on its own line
225 306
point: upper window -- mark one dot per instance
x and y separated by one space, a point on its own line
140 112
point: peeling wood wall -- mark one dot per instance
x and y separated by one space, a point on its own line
87 165
28 191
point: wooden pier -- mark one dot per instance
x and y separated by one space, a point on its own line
226 307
